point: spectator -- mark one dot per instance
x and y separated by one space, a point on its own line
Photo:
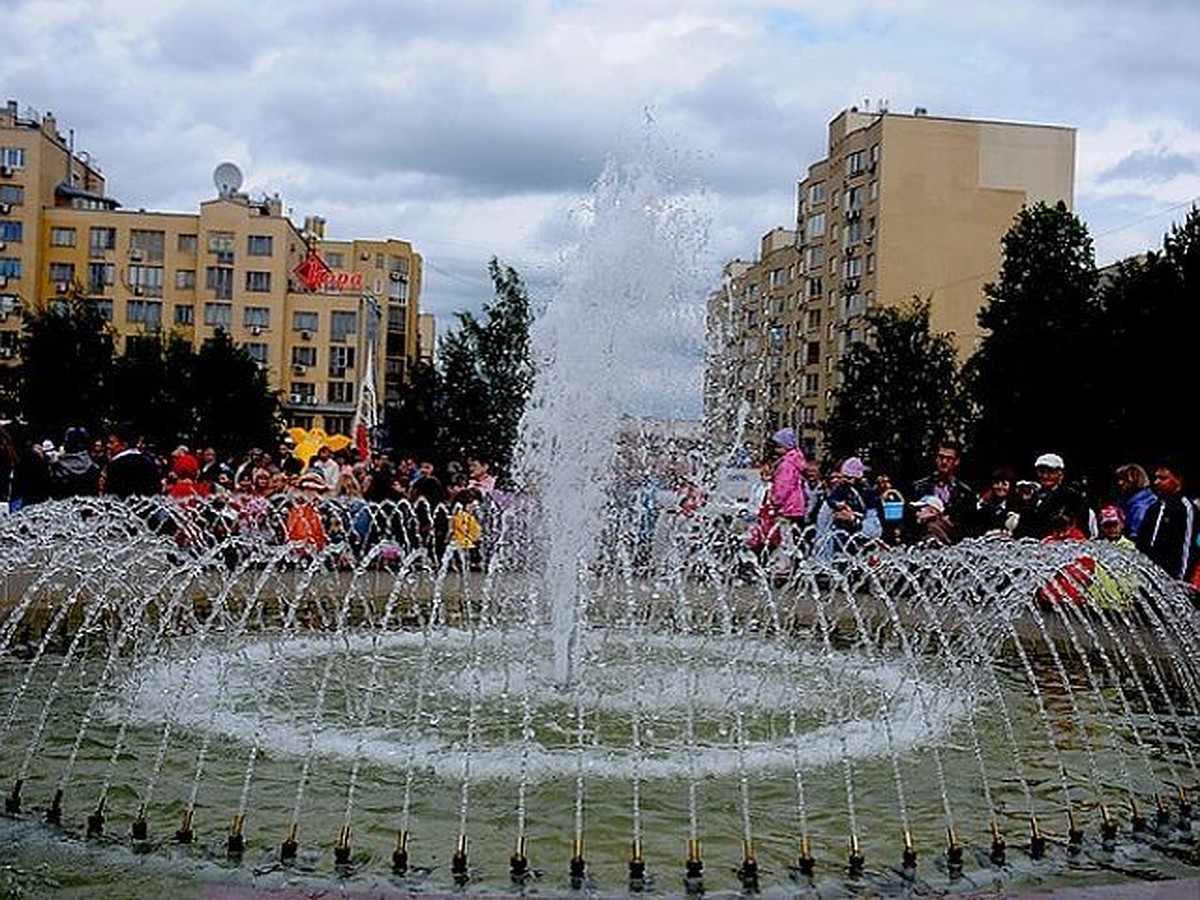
932 525
958 499
75 473
1112 526
1168 533
1054 500
129 471
1136 496
787 498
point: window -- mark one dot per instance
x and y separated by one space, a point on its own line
777 278
812 353
398 264
13 194
342 324
853 233
304 321
816 193
62 237
147 245
853 268
258 282
815 288
187 243
100 276
218 315
146 280
62 273
812 383
257 351
304 356
221 244
304 392
185 279
856 162
874 154
257 317
341 392
397 318
185 314
104 307
341 358
10 231
13 157
338 424
814 257
335 260
398 288
870 262
855 197
873 191
147 313
812 319
101 240
259 245
815 227
220 280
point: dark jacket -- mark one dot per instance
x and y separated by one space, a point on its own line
74 475
1049 508
131 473
1168 535
960 508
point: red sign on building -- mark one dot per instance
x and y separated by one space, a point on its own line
315 276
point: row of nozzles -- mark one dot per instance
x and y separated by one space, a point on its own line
748 872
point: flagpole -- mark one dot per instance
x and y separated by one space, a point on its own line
366 413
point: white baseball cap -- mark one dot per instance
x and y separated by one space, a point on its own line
1048 461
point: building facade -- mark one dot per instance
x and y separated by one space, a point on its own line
314 313
902 206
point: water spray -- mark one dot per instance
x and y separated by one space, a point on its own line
235 846
400 854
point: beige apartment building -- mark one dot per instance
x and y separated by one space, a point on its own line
902 206
315 313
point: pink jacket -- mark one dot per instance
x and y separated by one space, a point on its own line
787 487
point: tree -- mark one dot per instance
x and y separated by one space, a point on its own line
66 366
150 389
900 393
1033 377
234 408
414 422
1151 310
486 371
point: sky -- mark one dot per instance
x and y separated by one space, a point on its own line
477 129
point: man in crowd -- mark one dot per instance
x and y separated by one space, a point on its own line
957 497
1168 532
129 471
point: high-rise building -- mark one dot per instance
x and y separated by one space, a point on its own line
313 312
902 206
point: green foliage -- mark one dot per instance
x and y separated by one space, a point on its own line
161 388
1033 377
66 366
486 374
900 393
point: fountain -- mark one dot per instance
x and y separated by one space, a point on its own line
181 703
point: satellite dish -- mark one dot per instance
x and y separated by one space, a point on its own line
228 178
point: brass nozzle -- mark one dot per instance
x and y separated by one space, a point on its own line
748 851
401 839
693 850
344 837
238 825
635 852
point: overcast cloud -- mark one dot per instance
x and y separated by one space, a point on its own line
477 128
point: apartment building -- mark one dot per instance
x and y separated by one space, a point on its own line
902 206
315 313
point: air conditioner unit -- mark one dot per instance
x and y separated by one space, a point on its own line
61 287
312 400
6 171
397 276
3 246
306 335
6 352
135 254
850 284
256 330
869 240
138 290
299 369
297 398
3 281
5 209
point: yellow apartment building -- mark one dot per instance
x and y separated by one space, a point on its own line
315 313
902 206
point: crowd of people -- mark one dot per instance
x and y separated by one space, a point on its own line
1146 509
275 497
